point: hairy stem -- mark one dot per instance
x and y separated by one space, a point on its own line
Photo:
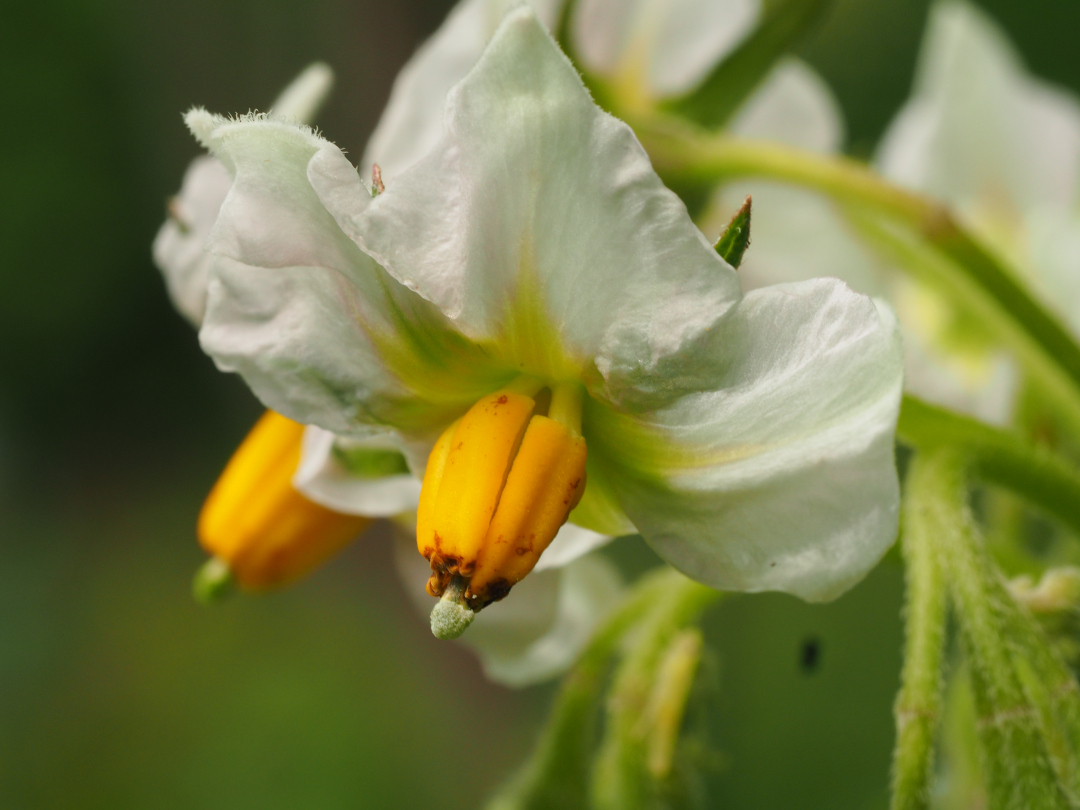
1016 761
918 704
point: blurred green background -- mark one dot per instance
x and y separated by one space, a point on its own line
116 691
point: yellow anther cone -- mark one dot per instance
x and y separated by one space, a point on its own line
545 483
466 477
258 524
499 485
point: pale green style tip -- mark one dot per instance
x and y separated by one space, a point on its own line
449 619
213 581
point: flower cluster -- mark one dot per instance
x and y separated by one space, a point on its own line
526 319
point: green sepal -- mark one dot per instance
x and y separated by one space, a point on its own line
713 102
368 462
735 239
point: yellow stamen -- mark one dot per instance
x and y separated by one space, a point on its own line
254 521
499 485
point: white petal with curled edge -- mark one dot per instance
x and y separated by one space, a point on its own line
412 122
180 244
179 248
324 479
671 44
538 631
538 226
782 478
318 330
979 131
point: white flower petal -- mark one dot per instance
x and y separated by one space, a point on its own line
412 122
318 330
1054 247
539 227
179 247
783 478
538 631
792 106
979 131
571 543
983 386
322 478
670 44
301 100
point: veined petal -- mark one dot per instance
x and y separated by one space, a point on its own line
669 44
318 330
358 477
979 131
538 226
179 247
538 633
412 122
782 478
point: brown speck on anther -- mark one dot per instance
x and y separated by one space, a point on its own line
501 400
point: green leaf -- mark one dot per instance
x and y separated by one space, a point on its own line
735 239
713 102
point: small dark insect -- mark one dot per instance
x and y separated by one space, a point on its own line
810 654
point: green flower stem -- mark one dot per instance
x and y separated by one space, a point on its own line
919 702
997 456
557 774
693 158
621 778
1017 766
